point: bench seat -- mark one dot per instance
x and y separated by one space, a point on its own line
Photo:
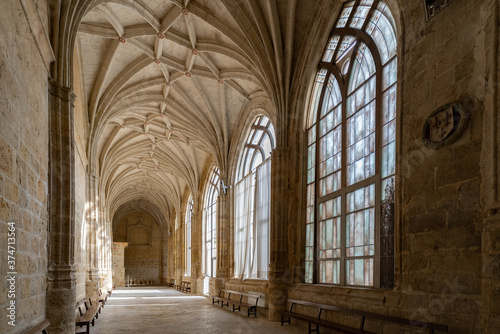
223 300
320 322
341 328
86 319
41 327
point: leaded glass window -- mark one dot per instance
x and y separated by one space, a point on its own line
210 224
351 133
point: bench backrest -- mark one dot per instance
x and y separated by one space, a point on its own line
364 314
255 295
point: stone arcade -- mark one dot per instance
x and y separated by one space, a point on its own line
341 152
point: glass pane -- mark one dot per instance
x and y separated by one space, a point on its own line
382 29
316 94
389 74
344 16
309 272
330 49
348 42
388 159
361 97
360 199
389 132
360 139
310 235
388 189
332 96
360 272
359 16
389 105
310 195
363 68
311 135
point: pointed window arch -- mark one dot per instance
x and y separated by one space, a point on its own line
252 198
351 147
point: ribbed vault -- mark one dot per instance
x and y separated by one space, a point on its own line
167 82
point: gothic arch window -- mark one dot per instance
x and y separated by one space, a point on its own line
187 240
351 133
252 197
210 224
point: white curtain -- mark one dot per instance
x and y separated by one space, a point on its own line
243 225
262 219
252 223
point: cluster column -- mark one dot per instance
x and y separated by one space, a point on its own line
61 284
491 184
278 267
92 279
223 240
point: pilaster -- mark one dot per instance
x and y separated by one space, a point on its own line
278 267
61 287
491 185
164 257
223 230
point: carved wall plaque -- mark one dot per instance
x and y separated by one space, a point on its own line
432 7
445 125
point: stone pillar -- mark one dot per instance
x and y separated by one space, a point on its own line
109 252
119 263
223 230
61 287
278 267
491 171
196 221
164 257
92 279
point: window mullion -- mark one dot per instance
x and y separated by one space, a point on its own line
343 265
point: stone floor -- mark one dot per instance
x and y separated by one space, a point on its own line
165 310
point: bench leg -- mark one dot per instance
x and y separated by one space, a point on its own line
283 320
252 310
316 330
222 305
234 309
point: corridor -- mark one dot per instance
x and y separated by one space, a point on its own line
163 310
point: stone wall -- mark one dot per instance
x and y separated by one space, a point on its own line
119 264
440 209
23 164
143 254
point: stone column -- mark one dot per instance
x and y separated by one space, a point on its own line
223 230
92 280
164 257
278 267
196 250
61 287
491 171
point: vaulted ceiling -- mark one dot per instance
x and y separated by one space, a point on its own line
167 82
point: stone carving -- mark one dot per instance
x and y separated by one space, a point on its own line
445 125
432 7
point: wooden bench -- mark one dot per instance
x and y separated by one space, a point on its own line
184 286
224 299
41 327
103 297
85 319
171 283
318 322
